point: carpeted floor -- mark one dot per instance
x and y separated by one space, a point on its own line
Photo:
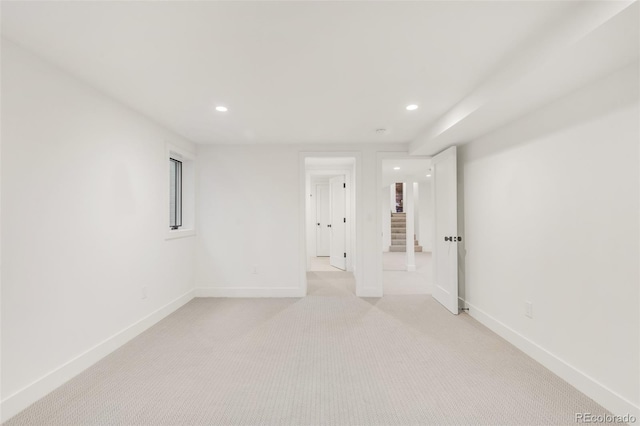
328 358
397 280
397 261
321 264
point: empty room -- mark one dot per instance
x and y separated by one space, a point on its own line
314 213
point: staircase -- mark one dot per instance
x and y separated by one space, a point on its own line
399 233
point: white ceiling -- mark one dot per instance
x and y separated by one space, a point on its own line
289 72
411 170
597 41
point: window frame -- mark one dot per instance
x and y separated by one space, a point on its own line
175 184
187 193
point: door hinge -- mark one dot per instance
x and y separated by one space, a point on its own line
345 220
345 255
344 185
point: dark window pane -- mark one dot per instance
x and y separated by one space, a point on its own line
175 194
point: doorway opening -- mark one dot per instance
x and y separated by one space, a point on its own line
432 225
329 225
328 209
407 226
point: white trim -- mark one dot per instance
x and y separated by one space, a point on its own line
249 292
178 153
369 292
604 396
26 396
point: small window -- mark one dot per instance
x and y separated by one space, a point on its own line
180 193
175 194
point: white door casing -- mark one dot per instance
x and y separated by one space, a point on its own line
323 220
338 226
445 247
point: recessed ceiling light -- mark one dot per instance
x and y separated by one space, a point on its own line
221 108
428 175
412 107
396 168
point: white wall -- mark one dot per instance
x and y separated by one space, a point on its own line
551 216
386 204
247 217
84 219
425 235
262 223
416 209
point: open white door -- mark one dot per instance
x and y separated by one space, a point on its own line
445 247
323 220
338 252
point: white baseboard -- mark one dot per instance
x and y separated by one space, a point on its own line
26 396
369 292
604 396
249 292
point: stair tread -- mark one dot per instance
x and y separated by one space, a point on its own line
399 234
404 249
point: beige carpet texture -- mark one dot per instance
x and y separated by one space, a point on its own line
327 359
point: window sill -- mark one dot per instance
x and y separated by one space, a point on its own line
180 233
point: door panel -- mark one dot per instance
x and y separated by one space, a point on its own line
338 226
445 248
323 219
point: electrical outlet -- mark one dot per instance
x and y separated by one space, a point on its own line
144 292
528 309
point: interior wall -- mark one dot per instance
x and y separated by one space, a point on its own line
386 208
263 222
247 217
551 218
84 219
425 235
416 209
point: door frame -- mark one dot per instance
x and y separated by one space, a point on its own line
380 156
353 178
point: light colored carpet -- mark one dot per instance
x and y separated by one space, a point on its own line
397 261
397 280
321 264
328 358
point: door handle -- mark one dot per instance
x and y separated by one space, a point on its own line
318 223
